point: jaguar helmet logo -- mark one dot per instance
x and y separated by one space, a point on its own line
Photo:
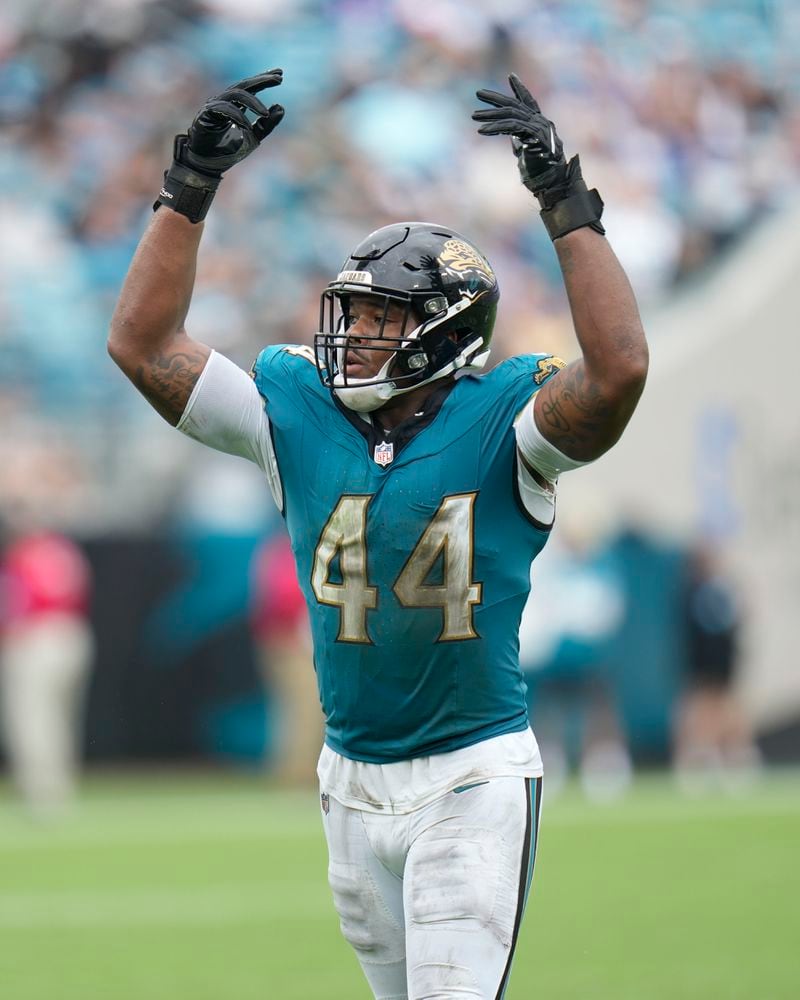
459 256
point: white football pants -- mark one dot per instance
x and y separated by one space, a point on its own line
432 900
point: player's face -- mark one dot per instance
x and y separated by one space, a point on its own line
365 318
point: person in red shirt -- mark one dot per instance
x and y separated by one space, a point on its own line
46 650
280 627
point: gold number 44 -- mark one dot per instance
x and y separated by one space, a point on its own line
449 534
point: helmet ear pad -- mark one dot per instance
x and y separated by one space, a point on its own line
446 342
442 347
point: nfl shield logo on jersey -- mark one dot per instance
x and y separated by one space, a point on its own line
325 802
384 453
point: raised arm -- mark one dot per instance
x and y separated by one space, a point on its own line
584 408
147 337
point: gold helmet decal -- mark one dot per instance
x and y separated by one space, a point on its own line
459 256
547 367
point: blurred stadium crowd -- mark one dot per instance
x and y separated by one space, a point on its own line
687 119
685 113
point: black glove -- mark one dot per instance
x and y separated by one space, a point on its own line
558 185
220 136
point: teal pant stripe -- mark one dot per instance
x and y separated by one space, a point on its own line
532 799
536 803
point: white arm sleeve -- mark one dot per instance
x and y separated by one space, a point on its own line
549 462
226 412
537 450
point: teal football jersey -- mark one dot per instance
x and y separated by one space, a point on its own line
415 571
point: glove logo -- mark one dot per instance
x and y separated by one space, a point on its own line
459 256
547 367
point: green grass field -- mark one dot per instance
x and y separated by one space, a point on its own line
213 888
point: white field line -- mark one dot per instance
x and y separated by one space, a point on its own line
680 812
228 904
97 826
101 829
223 904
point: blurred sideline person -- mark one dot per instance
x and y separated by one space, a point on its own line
568 627
713 741
416 493
46 650
279 622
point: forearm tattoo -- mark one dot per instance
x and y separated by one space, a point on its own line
166 380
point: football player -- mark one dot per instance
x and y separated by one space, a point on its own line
416 492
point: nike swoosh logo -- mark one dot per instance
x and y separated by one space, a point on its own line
466 788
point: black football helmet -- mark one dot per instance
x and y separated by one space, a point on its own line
449 295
